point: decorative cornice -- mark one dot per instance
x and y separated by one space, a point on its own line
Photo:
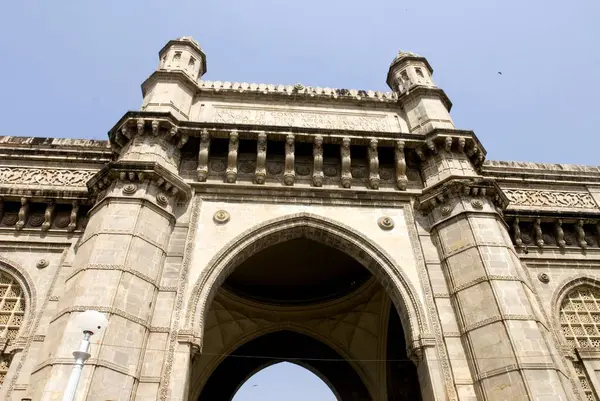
139 171
439 194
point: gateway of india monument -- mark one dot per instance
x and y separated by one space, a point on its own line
228 226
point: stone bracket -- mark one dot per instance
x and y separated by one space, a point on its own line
455 187
139 171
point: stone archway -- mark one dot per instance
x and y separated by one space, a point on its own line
389 276
323 230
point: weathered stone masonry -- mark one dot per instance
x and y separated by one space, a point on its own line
492 266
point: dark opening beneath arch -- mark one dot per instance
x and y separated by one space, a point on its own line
285 345
299 271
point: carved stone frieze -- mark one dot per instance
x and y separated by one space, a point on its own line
301 118
42 176
548 198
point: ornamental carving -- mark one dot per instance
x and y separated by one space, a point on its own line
527 197
292 118
50 177
275 168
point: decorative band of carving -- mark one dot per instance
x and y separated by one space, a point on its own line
123 232
515 366
149 379
159 329
441 295
167 289
446 255
103 309
545 198
498 318
451 334
122 268
90 362
482 279
45 177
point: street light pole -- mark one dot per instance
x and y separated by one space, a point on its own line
90 322
81 355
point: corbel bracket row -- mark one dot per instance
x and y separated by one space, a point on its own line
561 231
440 141
441 194
160 127
127 171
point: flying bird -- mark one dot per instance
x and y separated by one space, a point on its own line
499 72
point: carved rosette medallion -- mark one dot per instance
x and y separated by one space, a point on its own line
445 210
11 219
385 175
221 217
218 166
330 171
544 278
36 220
302 170
385 223
477 204
62 221
162 199
247 167
275 168
129 189
42 263
359 172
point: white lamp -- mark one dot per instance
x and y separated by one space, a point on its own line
90 322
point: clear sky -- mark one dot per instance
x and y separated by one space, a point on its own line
72 68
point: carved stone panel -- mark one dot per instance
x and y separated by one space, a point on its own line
46 177
550 199
374 122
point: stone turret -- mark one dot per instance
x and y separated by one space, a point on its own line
427 107
173 85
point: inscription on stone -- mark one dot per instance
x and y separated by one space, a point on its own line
305 119
51 177
526 197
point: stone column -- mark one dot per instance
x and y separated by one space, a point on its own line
506 341
118 266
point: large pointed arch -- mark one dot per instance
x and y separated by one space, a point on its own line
328 232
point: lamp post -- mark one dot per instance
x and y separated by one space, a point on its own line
91 322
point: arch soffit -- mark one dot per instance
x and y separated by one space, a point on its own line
24 279
563 289
326 231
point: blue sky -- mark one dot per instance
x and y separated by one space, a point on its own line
73 68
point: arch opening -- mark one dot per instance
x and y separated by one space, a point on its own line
284 381
321 230
304 290
270 349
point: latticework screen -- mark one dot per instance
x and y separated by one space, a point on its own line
580 323
12 309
